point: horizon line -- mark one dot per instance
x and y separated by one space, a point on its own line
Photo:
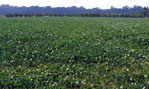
74 6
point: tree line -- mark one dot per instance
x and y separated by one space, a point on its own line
4 9
141 14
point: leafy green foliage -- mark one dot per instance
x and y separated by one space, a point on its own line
74 53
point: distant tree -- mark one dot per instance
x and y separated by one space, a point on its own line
146 8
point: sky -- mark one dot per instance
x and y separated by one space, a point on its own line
103 4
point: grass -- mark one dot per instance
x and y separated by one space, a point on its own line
62 52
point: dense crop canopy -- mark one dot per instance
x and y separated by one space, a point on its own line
74 52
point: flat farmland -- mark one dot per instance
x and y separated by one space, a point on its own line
74 52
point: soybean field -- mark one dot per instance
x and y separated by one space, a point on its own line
74 52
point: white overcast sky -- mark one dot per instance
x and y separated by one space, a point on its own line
104 4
